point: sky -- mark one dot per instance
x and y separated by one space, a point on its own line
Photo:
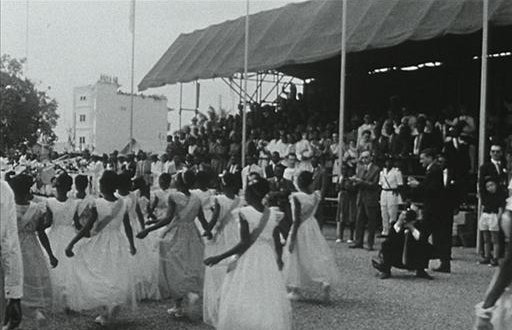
71 43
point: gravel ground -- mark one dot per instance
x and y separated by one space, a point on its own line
360 300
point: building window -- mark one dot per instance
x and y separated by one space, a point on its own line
82 98
82 118
81 139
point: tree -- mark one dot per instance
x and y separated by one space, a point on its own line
26 113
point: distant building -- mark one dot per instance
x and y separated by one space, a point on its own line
101 118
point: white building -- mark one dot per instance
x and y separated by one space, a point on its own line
101 118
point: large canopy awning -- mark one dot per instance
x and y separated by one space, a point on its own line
309 32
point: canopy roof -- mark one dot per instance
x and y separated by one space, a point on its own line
310 32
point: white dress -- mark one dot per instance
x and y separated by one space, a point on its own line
160 211
144 265
502 315
226 235
253 294
102 275
311 263
61 232
206 198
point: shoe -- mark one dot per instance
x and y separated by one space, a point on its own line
494 263
293 296
385 275
349 241
326 292
101 320
443 269
423 274
485 261
356 246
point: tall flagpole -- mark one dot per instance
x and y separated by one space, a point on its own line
244 111
483 99
341 119
132 29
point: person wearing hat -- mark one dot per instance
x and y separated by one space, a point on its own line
390 181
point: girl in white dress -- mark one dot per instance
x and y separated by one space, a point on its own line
225 235
37 290
63 211
85 202
495 312
144 265
205 195
308 260
159 205
181 249
102 272
254 295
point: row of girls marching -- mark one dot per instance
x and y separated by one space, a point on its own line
98 264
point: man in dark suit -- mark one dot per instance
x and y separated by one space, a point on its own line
367 182
387 143
320 180
451 198
494 168
456 151
271 168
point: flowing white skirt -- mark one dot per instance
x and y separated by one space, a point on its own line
144 267
101 274
312 262
502 316
253 295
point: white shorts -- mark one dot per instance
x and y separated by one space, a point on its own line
489 222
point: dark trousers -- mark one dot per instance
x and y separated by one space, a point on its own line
366 215
442 238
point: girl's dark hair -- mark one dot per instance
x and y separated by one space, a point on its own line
305 179
165 178
109 180
64 180
202 179
124 181
186 179
20 184
81 182
257 189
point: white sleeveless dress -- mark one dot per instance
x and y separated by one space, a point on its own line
226 235
206 198
181 250
253 294
144 265
102 275
311 263
61 232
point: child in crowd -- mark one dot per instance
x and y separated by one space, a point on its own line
488 224
308 260
64 215
37 289
180 247
102 266
225 233
144 265
253 293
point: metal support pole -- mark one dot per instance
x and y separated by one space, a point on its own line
342 96
483 100
246 58
181 102
132 82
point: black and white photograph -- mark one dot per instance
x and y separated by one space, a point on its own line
255 164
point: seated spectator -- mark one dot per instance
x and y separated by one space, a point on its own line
291 172
366 126
251 167
365 142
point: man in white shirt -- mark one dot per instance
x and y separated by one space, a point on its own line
390 181
251 167
291 172
304 152
11 266
282 145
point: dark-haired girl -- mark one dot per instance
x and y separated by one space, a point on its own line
309 262
101 271
253 295
180 247
37 290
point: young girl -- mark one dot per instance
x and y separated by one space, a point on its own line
204 194
224 228
144 266
488 224
84 202
159 204
37 290
253 294
180 246
101 269
63 211
309 262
